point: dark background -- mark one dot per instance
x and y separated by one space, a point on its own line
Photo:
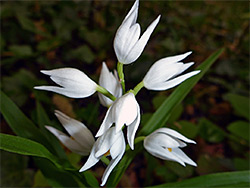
39 35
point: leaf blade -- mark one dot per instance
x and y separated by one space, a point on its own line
214 180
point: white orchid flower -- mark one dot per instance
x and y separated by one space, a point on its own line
162 74
164 143
75 83
81 139
125 110
128 44
109 143
109 81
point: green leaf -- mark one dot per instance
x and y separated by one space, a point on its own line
163 113
25 146
240 104
19 123
161 116
225 179
240 128
55 177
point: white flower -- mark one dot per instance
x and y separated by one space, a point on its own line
162 74
164 143
125 110
109 81
75 83
127 44
109 143
81 140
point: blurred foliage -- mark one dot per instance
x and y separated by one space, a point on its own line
38 35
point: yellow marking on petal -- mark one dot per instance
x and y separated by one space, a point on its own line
72 138
107 153
170 149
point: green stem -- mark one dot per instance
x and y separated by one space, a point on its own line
137 140
121 75
105 92
138 88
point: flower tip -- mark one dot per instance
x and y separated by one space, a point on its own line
188 53
39 87
45 72
98 134
158 18
197 72
194 164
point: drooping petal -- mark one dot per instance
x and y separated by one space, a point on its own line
139 46
125 110
118 145
174 134
182 156
92 160
74 83
106 141
122 111
68 142
116 151
109 169
107 122
76 129
132 128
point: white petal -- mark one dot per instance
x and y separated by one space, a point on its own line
131 39
76 129
113 162
133 10
92 160
132 128
68 142
174 134
109 82
118 146
163 153
106 141
164 69
182 156
137 49
106 124
74 83
171 83
163 140
123 31
125 110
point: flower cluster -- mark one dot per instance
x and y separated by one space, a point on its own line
123 108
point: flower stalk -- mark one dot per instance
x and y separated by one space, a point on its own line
105 92
138 88
121 75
